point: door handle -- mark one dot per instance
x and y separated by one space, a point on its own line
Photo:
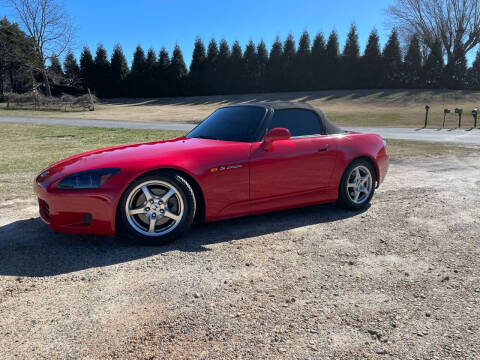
324 149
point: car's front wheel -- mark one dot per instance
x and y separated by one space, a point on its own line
357 185
157 208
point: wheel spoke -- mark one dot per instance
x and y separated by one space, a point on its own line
357 174
168 195
135 211
350 185
171 215
147 192
357 195
151 228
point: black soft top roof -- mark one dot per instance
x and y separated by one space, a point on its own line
329 127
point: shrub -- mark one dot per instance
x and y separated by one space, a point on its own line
37 101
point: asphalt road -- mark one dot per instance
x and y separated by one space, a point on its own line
98 123
461 136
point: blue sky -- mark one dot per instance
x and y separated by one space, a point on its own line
157 23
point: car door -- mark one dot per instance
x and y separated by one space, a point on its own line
304 163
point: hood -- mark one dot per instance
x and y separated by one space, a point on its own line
130 157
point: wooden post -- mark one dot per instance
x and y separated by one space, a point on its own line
92 103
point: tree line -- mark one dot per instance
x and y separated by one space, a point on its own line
221 68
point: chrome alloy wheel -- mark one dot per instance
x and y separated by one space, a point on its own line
154 208
359 184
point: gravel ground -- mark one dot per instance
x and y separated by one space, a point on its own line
397 281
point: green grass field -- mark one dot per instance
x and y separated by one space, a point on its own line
27 149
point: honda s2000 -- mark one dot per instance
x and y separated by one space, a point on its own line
241 160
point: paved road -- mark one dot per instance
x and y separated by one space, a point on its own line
461 136
98 123
446 135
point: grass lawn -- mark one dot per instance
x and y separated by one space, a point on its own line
27 149
386 108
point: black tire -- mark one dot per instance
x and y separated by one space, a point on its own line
345 197
130 226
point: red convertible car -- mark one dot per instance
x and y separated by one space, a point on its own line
241 160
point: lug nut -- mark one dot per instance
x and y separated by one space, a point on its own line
151 201
154 215
147 209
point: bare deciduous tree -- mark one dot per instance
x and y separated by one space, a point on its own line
455 22
48 25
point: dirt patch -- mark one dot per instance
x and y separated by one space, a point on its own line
399 280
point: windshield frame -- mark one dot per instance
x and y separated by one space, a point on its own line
257 134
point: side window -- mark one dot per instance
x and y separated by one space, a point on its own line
299 122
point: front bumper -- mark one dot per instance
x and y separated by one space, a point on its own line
77 211
383 162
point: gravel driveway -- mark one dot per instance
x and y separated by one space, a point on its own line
400 280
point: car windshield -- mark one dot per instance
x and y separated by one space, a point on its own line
236 123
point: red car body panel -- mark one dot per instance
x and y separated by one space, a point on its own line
235 178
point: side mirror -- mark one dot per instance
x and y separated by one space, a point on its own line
274 135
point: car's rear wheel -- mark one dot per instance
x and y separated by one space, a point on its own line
357 185
157 208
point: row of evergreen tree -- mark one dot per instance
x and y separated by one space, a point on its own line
221 69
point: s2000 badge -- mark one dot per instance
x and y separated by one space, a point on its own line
223 168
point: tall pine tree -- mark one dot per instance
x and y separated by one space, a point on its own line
151 70
223 68
138 74
163 73
55 72
433 67
197 75
72 71
250 76
275 67
288 59
371 63
87 75
351 60
332 61
118 73
236 68
318 81
102 73
211 64
17 55
412 65
262 61
303 66
392 62
178 72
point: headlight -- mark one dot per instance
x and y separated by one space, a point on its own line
384 143
90 179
